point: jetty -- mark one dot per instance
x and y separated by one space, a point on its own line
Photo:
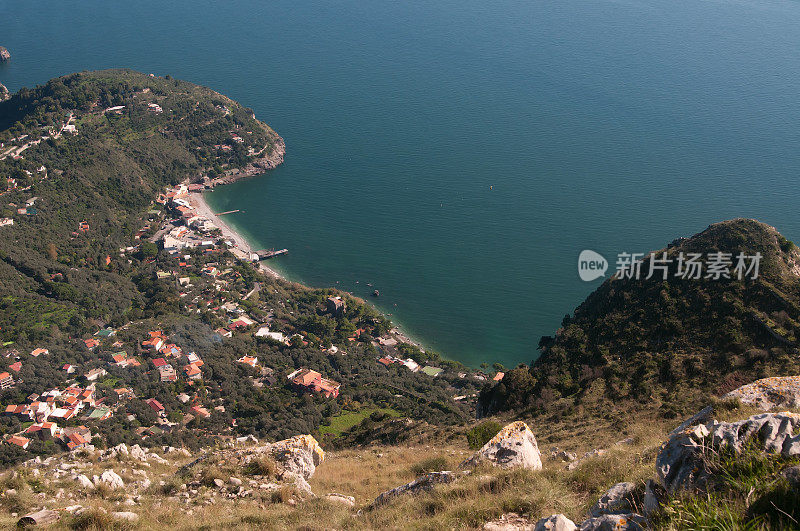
227 212
264 254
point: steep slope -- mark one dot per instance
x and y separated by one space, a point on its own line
669 344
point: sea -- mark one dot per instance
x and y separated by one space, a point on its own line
457 156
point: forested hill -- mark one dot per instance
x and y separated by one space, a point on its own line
669 345
107 175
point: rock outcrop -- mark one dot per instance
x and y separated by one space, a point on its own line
618 500
4 94
680 463
421 484
299 455
513 447
5 55
770 393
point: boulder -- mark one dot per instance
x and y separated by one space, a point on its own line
513 447
770 393
509 522
112 479
615 522
556 522
654 496
617 500
299 455
680 462
421 484
300 484
5 55
84 481
136 452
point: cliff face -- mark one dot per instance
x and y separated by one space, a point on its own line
4 55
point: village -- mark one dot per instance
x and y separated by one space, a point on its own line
208 281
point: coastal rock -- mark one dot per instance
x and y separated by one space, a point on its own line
4 94
770 393
556 522
421 484
680 462
615 522
5 55
513 447
617 500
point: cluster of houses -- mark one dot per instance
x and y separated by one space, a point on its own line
158 343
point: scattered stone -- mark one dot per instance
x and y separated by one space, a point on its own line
112 479
84 481
125 516
136 452
219 483
509 522
556 522
618 500
421 484
615 522
514 446
341 498
235 481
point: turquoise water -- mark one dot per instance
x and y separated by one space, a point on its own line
459 155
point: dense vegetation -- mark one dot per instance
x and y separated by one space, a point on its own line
59 285
668 344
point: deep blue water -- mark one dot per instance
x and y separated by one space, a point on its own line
458 155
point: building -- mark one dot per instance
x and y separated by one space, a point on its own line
39 351
22 442
336 306
6 380
94 374
156 406
248 360
308 380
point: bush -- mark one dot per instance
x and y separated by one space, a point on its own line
261 466
482 433
432 464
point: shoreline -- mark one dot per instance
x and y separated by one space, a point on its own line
241 247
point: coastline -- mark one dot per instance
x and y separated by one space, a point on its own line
241 247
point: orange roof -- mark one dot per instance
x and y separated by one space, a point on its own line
16 366
4 375
19 441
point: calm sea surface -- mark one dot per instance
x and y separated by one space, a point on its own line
458 155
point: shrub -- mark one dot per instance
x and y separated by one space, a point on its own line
432 464
261 466
482 433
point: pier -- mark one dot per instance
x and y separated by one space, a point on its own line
227 212
264 254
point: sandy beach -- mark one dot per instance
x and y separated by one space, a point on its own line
242 249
